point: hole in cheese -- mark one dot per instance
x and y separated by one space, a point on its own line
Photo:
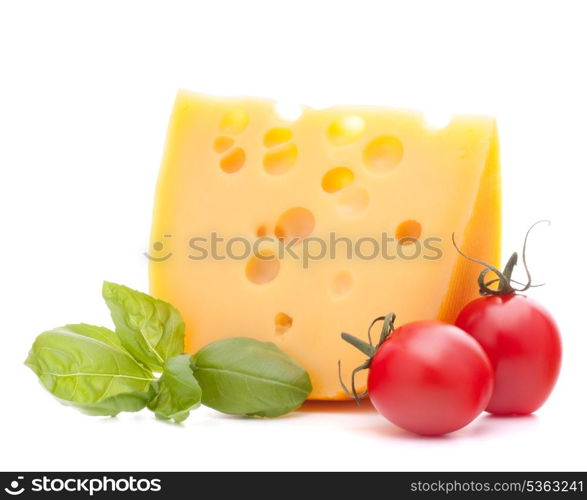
234 122
408 231
345 130
283 323
437 119
352 201
336 179
295 223
281 160
233 161
223 144
276 137
261 231
383 154
262 268
288 111
342 283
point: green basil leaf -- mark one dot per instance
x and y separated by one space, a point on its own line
150 329
86 367
100 333
243 376
178 391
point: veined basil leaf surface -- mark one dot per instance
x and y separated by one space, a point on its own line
150 329
178 391
100 333
86 367
243 376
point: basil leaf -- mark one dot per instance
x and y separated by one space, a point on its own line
178 391
243 376
150 329
86 367
99 333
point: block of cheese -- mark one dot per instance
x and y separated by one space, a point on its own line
240 184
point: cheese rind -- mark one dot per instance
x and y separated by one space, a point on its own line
233 167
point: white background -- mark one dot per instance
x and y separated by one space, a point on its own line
85 93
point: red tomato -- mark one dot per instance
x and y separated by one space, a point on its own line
430 378
522 342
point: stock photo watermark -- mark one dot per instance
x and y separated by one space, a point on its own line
217 247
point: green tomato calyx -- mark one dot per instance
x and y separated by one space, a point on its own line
503 284
366 348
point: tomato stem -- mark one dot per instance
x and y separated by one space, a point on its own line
504 278
366 348
361 345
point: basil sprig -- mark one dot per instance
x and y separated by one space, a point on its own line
105 372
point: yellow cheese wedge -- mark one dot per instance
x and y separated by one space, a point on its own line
236 168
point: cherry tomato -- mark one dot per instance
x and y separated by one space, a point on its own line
427 377
524 346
